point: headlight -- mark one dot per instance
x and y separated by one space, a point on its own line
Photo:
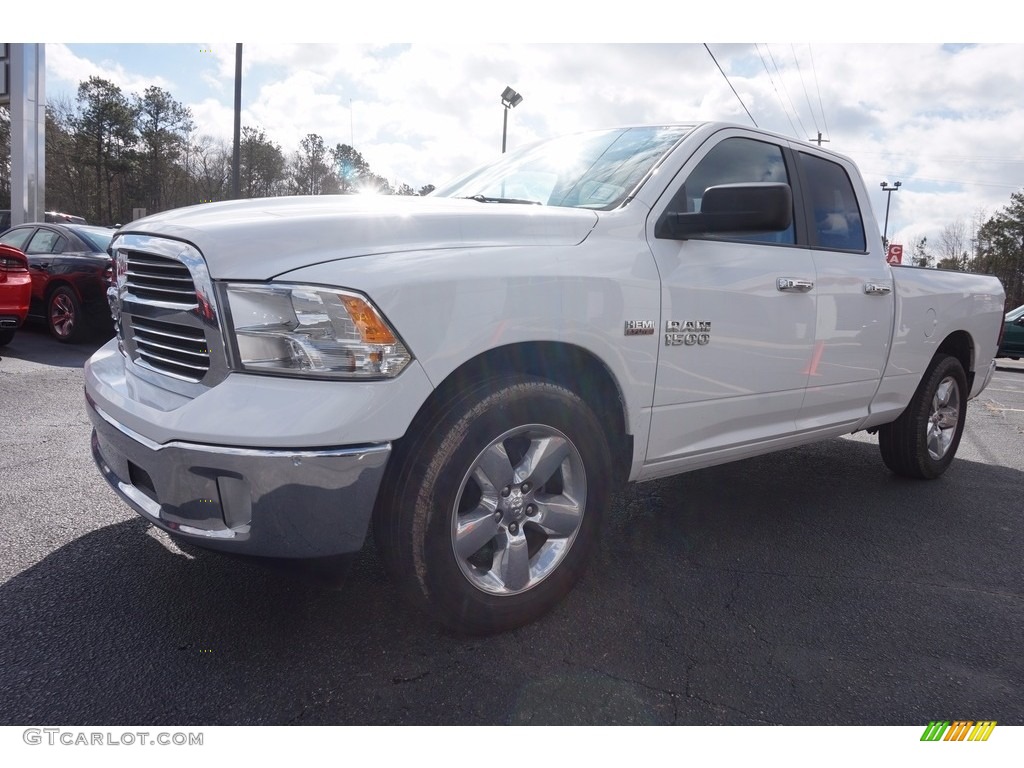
314 331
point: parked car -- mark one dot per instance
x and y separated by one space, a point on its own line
15 291
70 271
1013 335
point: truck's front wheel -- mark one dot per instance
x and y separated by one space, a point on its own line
922 442
495 503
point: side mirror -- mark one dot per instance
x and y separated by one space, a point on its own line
756 207
1019 320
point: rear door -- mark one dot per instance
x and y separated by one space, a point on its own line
854 291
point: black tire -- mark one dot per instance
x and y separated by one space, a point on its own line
922 442
64 316
6 336
440 476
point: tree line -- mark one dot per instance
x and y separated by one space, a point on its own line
108 153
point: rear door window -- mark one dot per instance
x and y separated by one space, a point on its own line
46 241
835 220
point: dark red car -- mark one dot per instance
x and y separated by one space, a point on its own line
15 291
70 271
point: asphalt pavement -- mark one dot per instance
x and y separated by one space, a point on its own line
810 586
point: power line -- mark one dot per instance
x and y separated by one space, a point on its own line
785 111
1004 160
870 172
730 85
803 85
785 89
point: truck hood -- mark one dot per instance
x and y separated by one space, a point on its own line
259 239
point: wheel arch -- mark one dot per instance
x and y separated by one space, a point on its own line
571 366
960 345
54 283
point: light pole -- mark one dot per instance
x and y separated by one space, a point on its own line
886 188
509 99
236 152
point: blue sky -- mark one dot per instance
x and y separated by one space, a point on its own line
945 119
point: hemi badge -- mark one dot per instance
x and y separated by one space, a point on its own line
639 327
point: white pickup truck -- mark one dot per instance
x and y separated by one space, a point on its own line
467 373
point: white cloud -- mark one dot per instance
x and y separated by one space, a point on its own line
947 121
70 70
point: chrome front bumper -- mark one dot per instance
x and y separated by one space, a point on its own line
272 503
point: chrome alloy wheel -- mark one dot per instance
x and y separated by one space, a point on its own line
518 509
942 420
62 315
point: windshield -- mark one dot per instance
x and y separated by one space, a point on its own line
598 169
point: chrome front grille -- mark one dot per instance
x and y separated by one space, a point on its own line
172 348
154 278
166 314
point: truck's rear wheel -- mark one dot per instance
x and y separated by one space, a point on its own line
491 510
922 442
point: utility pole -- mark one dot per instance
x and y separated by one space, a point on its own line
820 140
236 155
886 188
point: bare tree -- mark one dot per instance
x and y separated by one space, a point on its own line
953 246
208 162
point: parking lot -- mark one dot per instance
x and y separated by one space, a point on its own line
809 586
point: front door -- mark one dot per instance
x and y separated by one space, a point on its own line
738 320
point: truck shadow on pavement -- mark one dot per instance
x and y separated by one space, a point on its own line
805 587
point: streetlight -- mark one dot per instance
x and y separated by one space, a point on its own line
886 188
509 99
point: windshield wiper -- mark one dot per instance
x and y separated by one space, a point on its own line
485 199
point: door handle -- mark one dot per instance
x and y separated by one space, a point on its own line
794 285
877 289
